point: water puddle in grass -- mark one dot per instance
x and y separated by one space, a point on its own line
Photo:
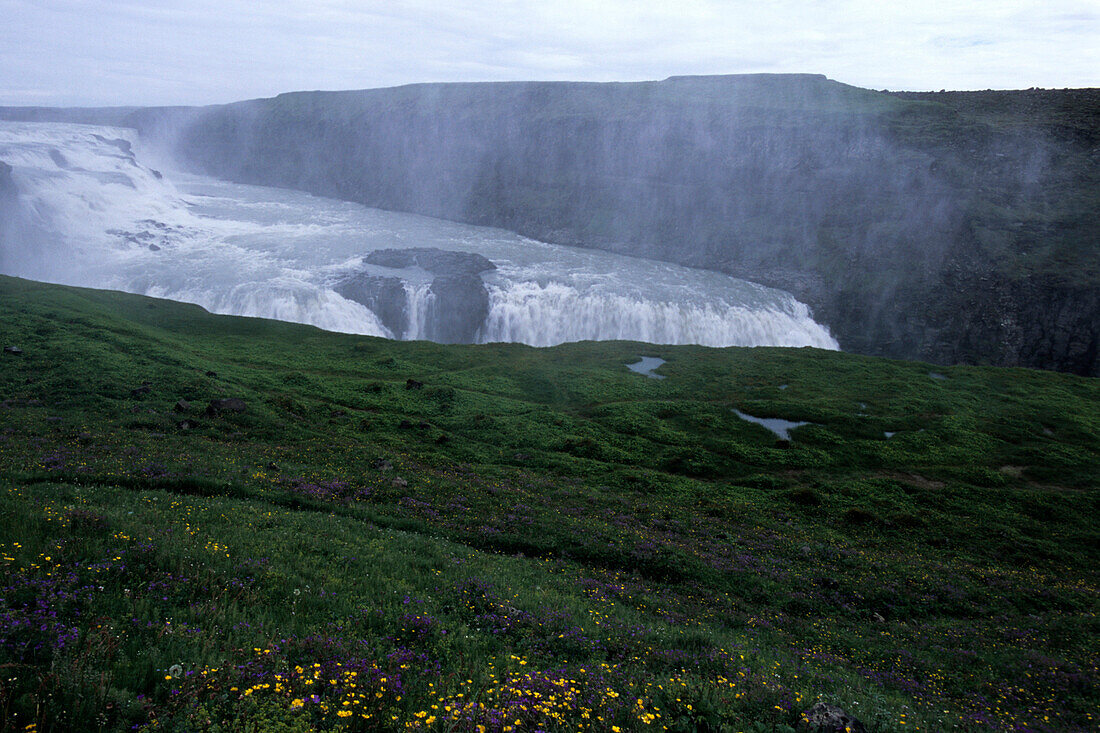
889 434
937 375
777 425
646 366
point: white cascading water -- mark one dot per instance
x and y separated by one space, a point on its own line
105 219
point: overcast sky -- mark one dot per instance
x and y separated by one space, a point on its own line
122 52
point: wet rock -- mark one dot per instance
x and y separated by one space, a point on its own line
7 183
413 384
182 406
15 350
826 718
385 296
459 302
434 260
230 404
458 309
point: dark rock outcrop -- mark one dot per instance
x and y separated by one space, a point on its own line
459 300
434 260
385 296
230 404
7 182
457 310
826 718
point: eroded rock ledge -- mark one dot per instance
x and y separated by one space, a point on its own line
458 301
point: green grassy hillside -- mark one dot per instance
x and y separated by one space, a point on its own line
534 539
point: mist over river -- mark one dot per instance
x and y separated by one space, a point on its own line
92 211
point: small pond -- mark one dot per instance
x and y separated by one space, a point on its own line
777 425
646 366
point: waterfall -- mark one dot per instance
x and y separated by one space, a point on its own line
552 313
101 218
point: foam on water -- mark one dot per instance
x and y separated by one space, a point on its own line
108 220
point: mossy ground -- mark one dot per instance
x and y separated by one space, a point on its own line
533 539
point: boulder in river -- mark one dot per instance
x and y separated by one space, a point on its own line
458 301
385 296
434 260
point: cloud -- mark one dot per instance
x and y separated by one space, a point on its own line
71 52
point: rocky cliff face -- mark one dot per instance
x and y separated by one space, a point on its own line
864 204
10 215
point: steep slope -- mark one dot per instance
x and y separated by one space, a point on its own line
916 227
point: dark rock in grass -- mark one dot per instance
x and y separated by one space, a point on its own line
212 374
405 425
338 413
182 406
273 466
13 350
442 439
520 457
85 438
859 516
230 404
141 391
383 465
413 384
423 425
782 443
826 718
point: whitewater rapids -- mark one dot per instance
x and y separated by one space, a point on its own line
93 212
